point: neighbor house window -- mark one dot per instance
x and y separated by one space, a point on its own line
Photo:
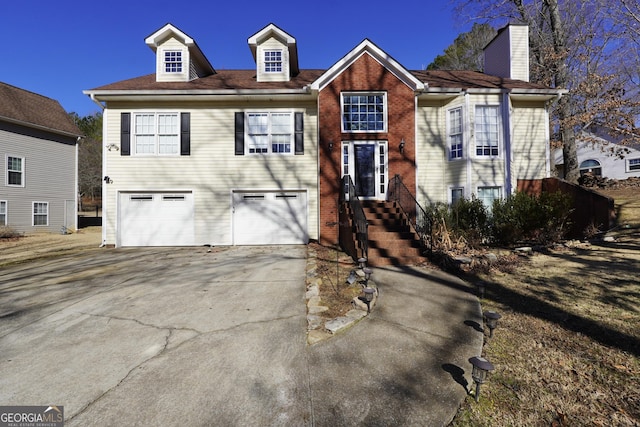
488 195
173 61
15 171
591 166
40 213
487 130
157 133
457 194
269 133
455 133
3 212
364 112
273 61
634 164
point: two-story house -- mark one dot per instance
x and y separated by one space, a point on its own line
39 173
195 155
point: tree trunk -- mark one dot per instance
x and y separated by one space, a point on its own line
569 151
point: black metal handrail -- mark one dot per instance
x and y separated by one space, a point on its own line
418 218
349 195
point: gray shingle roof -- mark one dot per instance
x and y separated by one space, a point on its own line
246 80
29 108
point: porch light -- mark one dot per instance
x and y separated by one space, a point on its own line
492 321
330 145
481 367
362 262
402 145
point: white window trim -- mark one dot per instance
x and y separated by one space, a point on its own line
462 133
455 187
629 170
500 196
5 213
156 146
22 172
365 93
165 63
500 132
33 214
380 163
247 136
265 69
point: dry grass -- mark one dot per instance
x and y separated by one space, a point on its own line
333 267
567 350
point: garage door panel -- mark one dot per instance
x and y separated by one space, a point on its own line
263 218
156 219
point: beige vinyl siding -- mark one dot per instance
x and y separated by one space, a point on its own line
272 44
212 170
519 52
173 44
530 141
431 158
486 171
49 175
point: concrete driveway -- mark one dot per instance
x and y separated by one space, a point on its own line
188 336
158 336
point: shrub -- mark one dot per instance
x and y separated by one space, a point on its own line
464 222
523 217
7 232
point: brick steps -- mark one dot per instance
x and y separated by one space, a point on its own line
391 241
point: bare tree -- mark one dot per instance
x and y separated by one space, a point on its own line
90 155
576 46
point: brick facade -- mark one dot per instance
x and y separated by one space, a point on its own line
367 75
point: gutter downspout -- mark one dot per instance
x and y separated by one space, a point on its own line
508 155
104 168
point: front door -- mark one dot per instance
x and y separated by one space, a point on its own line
366 163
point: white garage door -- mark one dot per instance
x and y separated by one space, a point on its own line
156 219
270 218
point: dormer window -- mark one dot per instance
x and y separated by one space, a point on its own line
272 61
173 61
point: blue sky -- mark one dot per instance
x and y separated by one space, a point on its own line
60 48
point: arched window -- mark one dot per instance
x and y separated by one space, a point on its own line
591 166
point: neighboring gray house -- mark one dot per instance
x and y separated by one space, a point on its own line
599 155
38 177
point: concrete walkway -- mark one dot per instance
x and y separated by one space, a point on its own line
185 336
404 364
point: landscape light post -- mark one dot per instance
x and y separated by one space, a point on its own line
492 321
481 368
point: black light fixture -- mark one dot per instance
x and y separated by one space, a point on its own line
107 179
481 288
367 273
330 145
492 318
481 367
368 297
362 262
402 145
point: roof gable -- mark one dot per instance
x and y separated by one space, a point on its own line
367 47
196 60
288 42
36 111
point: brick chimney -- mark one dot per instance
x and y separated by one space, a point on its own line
507 55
